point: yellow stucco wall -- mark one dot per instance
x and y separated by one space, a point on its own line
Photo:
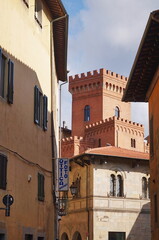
154 160
28 46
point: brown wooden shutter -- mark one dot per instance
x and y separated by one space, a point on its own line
41 194
3 172
45 120
10 81
36 105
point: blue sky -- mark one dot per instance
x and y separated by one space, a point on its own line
105 34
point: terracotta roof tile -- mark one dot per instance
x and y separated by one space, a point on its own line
118 152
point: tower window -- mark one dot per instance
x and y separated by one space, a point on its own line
117 112
87 113
133 143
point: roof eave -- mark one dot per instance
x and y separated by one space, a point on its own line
130 94
60 36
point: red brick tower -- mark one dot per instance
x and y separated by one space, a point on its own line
99 117
95 97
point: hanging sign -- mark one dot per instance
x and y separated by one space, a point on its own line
63 174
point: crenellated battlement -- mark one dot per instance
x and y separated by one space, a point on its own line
129 122
99 123
96 73
71 139
113 120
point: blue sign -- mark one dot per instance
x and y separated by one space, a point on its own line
63 174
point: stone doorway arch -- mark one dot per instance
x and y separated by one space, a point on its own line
64 236
77 236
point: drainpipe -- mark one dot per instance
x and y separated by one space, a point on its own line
60 134
55 153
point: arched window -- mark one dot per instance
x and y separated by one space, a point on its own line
77 236
112 185
119 186
64 236
144 187
117 112
87 113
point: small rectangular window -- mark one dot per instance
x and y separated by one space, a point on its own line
40 238
133 143
28 237
116 236
3 172
2 236
6 78
38 12
41 180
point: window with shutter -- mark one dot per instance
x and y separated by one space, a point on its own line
40 108
3 172
10 81
41 194
36 105
45 103
6 78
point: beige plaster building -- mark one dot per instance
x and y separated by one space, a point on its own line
112 201
33 53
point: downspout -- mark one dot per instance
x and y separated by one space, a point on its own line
87 205
60 134
55 153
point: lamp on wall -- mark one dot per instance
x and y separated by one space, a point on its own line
74 189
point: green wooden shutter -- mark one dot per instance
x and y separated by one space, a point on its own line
41 194
45 120
36 105
10 81
3 172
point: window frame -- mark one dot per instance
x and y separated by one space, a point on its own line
6 77
87 113
116 185
110 237
117 112
40 108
